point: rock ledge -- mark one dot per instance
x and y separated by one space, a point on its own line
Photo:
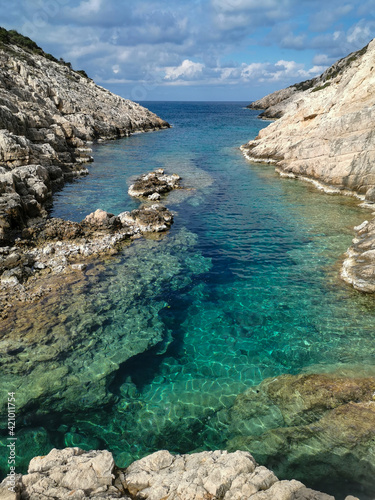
211 475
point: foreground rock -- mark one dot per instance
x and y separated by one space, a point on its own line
74 474
48 115
55 245
154 184
326 136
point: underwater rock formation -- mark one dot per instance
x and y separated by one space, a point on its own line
60 354
54 245
72 473
319 426
326 136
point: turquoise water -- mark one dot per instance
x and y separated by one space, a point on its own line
245 286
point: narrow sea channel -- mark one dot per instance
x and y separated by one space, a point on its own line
244 287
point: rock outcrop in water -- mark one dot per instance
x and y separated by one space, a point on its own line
55 245
154 184
211 475
48 115
326 135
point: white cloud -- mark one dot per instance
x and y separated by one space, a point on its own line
324 18
254 70
88 7
358 34
248 15
322 60
249 5
186 70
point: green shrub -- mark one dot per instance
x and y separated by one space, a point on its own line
321 87
12 37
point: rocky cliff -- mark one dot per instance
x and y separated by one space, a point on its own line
48 115
74 474
326 135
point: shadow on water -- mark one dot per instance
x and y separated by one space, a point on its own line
144 367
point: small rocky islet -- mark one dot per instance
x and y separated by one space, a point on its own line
46 129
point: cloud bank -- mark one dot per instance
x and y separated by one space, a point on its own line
188 45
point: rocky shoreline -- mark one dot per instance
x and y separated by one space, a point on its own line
49 115
210 475
325 135
55 247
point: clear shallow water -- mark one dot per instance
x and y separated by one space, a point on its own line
244 287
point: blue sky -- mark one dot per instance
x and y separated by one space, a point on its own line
195 49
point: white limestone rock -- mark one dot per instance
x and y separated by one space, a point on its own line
207 475
153 184
210 475
71 473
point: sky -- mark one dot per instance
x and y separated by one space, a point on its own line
231 50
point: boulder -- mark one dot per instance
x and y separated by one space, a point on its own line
101 218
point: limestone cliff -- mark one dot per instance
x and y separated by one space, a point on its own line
326 135
48 114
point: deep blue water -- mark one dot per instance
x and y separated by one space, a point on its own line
245 286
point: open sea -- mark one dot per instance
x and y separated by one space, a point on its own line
166 334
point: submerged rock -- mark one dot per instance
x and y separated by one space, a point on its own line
55 245
318 426
153 184
74 474
61 353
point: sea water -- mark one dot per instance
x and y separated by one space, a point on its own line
245 286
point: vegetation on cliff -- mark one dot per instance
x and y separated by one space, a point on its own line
12 37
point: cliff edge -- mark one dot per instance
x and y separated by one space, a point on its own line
326 135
